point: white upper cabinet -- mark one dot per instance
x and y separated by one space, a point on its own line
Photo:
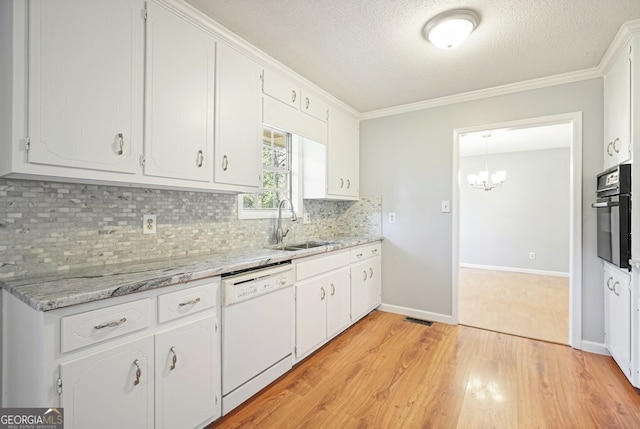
180 79
85 83
281 89
312 105
238 143
617 109
343 155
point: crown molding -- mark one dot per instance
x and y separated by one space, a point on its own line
622 38
512 88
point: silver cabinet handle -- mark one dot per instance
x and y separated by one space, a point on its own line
374 251
370 273
138 372
614 145
174 359
341 182
200 158
609 284
359 255
333 289
608 149
614 288
293 95
111 324
120 138
348 184
306 104
225 163
365 275
193 301
323 294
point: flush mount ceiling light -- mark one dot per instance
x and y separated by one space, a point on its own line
449 29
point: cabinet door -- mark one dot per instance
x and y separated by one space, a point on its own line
180 78
374 288
359 289
238 147
311 315
618 318
85 83
188 375
343 152
314 106
617 110
100 390
281 89
339 301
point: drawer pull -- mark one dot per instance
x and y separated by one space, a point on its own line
333 289
111 324
370 273
614 289
364 277
193 301
174 359
120 138
138 372
323 294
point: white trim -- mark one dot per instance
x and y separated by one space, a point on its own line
598 348
515 270
418 314
575 214
619 43
511 88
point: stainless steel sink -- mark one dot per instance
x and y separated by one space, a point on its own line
304 245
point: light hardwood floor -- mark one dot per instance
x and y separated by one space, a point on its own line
385 372
528 305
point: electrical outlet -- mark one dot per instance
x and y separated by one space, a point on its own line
149 224
446 206
306 218
392 218
532 255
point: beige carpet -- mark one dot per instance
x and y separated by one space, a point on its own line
528 305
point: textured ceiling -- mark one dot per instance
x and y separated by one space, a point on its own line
371 54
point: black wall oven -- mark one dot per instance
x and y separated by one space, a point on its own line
614 215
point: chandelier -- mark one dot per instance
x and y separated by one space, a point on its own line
481 180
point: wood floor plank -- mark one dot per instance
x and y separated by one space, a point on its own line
385 372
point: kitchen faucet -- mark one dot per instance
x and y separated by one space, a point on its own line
279 233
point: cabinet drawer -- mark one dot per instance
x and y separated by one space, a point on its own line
366 252
187 301
92 327
324 264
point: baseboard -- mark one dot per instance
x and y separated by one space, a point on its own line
418 314
515 270
592 347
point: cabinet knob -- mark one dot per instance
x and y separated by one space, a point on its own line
138 372
174 359
616 150
120 143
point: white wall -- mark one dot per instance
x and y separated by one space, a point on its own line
528 213
408 159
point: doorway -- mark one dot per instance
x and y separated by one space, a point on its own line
517 247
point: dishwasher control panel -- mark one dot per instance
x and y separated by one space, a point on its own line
255 283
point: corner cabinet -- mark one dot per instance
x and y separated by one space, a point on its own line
366 280
152 356
617 108
343 155
85 84
180 82
238 134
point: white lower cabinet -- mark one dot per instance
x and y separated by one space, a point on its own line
366 280
110 389
165 373
617 312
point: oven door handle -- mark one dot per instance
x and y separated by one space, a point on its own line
605 204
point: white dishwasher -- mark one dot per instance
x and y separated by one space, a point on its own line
257 331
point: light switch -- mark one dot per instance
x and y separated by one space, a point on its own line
446 206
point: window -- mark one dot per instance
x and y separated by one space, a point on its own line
276 177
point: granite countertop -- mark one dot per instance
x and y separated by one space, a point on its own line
95 283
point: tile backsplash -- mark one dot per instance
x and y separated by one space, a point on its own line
46 227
